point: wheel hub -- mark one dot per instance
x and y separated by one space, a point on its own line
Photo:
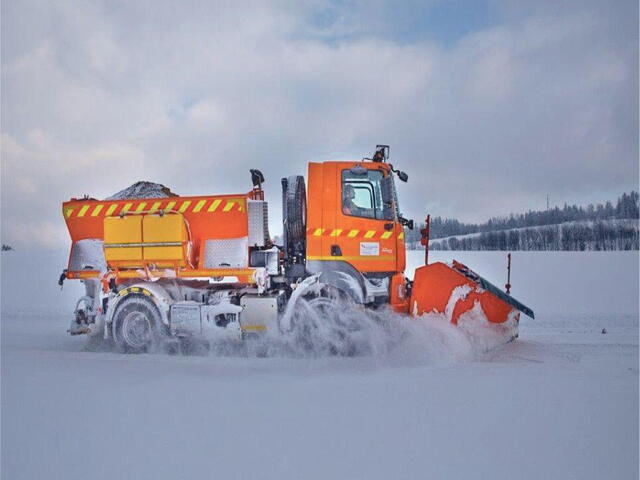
136 329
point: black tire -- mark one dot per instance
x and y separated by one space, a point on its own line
296 205
136 325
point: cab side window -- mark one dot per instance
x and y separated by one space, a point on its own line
362 194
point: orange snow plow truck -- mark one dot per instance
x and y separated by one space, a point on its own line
175 268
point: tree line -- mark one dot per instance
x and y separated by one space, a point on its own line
595 227
598 236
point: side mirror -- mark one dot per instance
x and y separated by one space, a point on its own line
403 176
406 223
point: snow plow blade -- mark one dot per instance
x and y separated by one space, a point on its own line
455 289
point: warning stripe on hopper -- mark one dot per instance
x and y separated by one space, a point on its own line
133 207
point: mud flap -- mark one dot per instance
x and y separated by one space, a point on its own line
455 289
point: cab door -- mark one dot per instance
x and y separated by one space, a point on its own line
401 250
365 233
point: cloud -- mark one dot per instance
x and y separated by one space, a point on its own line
98 95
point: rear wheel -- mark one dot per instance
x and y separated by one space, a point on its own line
136 325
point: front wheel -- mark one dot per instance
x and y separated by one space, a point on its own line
136 325
324 323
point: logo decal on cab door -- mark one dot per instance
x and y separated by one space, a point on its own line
369 248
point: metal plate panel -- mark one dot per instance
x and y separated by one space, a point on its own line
257 222
228 252
87 255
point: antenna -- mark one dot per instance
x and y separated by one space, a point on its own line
508 285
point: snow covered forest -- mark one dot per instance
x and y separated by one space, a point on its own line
572 227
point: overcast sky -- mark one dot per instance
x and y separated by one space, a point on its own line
488 105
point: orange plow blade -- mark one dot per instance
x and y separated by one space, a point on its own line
455 289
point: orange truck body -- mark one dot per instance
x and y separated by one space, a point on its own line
329 225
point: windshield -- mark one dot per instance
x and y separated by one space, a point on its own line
362 194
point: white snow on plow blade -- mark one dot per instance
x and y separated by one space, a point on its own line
458 293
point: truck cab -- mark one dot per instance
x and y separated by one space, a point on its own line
355 231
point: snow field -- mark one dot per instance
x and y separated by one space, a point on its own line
560 402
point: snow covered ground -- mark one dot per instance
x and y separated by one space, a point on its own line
560 402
